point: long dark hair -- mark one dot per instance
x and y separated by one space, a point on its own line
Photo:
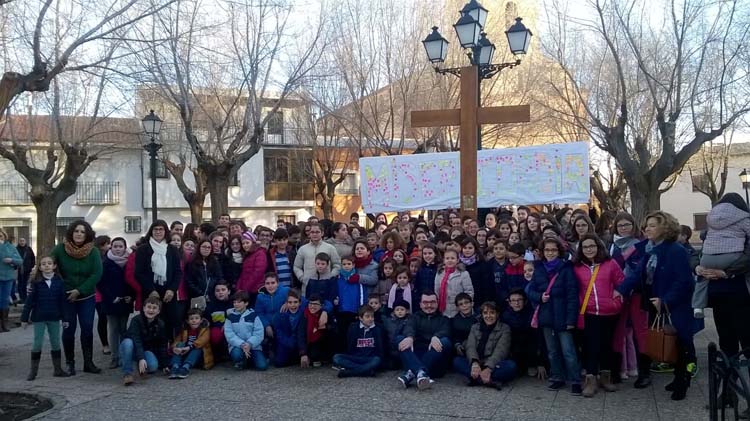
602 253
735 200
159 223
199 260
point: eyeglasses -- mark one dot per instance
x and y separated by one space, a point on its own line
624 225
516 300
514 257
550 250
313 303
589 246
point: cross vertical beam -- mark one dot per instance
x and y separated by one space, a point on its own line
470 137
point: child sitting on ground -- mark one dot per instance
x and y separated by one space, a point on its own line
364 350
271 299
402 289
244 332
525 346
395 325
192 344
216 314
145 342
45 306
289 329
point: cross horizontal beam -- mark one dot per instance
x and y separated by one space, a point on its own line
486 115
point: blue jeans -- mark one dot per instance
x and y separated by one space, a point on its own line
81 311
504 371
6 287
357 365
563 359
434 363
127 359
257 359
284 356
190 359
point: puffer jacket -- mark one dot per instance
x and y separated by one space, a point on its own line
562 308
243 328
203 342
728 230
459 281
8 271
609 277
496 349
253 270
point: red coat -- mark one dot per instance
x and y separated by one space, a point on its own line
601 302
254 268
132 282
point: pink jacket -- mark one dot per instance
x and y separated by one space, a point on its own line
610 276
253 270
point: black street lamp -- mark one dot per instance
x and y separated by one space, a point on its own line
480 50
152 126
745 179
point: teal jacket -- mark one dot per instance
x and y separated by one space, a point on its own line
81 274
8 270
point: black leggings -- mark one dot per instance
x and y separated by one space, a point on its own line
598 332
101 325
732 319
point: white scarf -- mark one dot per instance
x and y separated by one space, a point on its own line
237 257
159 261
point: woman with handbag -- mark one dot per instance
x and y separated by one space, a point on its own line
202 273
663 275
158 272
598 275
554 290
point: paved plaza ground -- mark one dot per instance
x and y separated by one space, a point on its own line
313 394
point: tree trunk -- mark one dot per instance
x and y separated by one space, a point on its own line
196 209
644 199
46 225
218 188
326 205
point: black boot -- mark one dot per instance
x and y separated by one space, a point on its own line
88 361
4 323
35 357
644 372
680 384
616 366
57 364
70 356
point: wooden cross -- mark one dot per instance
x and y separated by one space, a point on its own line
470 118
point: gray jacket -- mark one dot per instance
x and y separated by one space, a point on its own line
728 230
497 348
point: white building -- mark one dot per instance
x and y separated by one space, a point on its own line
114 193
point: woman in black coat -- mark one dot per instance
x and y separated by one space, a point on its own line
157 270
479 271
203 272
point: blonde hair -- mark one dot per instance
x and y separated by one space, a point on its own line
668 223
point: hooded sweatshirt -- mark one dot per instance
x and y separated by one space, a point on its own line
728 229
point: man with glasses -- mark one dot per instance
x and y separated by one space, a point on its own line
425 347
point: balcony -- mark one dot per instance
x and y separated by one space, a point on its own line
288 137
14 194
98 193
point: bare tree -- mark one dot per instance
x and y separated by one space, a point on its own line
654 89
709 168
223 69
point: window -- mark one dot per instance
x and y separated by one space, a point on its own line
14 193
133 225
17 228
98 193
62 226
275 123
349 186
700 182
161 170
289 219
699 221
287 174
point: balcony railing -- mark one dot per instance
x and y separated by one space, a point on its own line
289 137
14 193
98 193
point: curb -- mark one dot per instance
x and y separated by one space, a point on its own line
58 401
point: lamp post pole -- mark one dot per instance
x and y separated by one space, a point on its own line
152 147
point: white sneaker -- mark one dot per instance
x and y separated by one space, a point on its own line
623 375
423 381
532 372
698 313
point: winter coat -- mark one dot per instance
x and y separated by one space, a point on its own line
482 281
216 312
148 336
45 303
291 254
497 348
425 279
202 342
291 335
395 327
562 308
518 320
8 271
323 285
29 260
253 271
131 282
458 281
201 277
343 248
145 275
506 278
231 270
81 274
422 327
461 326
672 283
243 328
364 342
304 262
352 296
609 277
268 305
113 285
728 230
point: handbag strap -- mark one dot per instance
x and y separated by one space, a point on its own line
586 297
551 283
656 325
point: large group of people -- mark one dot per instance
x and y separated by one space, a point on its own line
563 296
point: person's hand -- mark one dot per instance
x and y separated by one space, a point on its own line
127 299
436 344
699 270
545 297
616 295
475 370
168 296
354 279
142 366
24 325
336 301
304 362
154 294
656 301
284 308
541 373
246 347
65 325
177 350
460 349
73 295
405 343
7 260
269 331
323 321
485 375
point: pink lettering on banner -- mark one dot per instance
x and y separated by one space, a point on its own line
366 343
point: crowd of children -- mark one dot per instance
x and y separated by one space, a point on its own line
521 293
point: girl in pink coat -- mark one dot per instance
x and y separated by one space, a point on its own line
254 266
